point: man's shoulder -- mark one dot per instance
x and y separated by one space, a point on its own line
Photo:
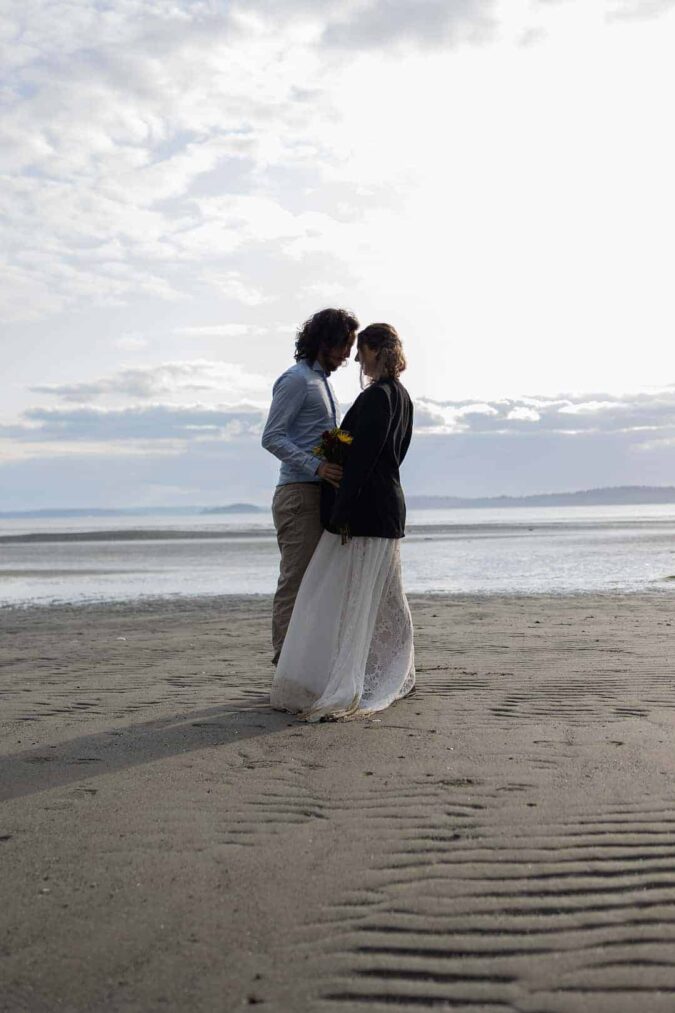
295 376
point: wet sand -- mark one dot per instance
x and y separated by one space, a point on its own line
502 840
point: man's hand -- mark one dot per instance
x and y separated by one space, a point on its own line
331 473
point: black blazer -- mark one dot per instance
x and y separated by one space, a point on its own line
370 500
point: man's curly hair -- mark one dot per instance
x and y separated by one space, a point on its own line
325 330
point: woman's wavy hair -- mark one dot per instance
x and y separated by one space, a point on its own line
325 330
384 339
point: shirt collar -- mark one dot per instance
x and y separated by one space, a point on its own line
317 368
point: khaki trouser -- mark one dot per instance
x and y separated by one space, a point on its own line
296 513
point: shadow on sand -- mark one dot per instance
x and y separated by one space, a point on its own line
115 749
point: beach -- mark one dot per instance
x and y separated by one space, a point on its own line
503 839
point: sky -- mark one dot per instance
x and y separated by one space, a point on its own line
183 182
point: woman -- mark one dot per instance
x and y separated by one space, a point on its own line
349 647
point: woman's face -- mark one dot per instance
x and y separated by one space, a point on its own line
368 358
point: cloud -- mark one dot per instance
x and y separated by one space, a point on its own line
131 342
143 468
190 431
523 413
163 417
616 9
232 286
157 422
639 9
383 25
254 158
117 125
566 414
428 23
365 24
167 379
146 143
222 330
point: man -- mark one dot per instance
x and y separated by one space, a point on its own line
303 406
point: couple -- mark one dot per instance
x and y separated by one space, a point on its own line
341 628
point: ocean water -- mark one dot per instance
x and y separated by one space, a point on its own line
481 551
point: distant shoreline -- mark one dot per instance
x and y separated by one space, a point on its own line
625 495
482 529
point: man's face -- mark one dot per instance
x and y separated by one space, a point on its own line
335 357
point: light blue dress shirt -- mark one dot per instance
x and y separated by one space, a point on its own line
303 407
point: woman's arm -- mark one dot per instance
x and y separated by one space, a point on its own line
408 435
370 434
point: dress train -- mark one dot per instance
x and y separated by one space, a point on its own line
349 649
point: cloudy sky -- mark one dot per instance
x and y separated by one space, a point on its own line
184 181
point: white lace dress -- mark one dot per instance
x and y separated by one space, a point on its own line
349 647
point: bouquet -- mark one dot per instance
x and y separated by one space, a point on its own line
333 448
334 445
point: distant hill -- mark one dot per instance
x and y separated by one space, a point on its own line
187 511
614 496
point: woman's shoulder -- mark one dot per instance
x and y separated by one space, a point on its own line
393 388
381 392
376 394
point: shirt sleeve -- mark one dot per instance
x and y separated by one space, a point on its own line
288 395
370 434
